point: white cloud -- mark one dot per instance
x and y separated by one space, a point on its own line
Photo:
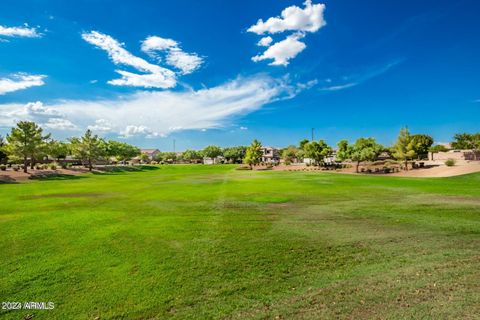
186 62
60 124
243 128
132 131
20 81
265 41
154 43
339 87
293 18
158 113
156 77
49 117
101 125
25 31
175 56
281 52
149 80
357 79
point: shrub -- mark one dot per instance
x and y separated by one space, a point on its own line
153 162
53 166
38 167
3 167
16 168
450 162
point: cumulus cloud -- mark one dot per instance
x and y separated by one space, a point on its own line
155 77
24 31
158 113
49 117
293 19
101 126
265 41
132 131
175 56
281 52
60 124
20 81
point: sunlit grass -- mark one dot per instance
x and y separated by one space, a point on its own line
212 242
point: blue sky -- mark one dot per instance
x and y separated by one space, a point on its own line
148 72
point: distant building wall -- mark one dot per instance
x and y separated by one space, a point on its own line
454 154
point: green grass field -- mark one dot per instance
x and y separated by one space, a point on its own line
206 242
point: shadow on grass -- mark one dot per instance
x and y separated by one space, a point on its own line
4 179
123 169
56 176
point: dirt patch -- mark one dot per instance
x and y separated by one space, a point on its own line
11 176
437 171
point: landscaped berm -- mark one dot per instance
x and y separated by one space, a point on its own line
212 242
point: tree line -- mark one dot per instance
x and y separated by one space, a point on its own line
407 147
27 144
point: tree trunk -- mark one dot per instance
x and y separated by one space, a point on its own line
25 164
90 167
358 165
406 165
32 163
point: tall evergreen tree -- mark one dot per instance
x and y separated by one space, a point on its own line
89 148
26 141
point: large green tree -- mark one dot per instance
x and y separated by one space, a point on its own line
191 155
254 153
404 148
26 141
212 152
317 151
89 148
121 151
467 141
421 144
234 154
289 154
57 149
3 154
364 149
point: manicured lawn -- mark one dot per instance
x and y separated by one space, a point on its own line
211 242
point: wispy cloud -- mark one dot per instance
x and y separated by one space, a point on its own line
175 56
25 31
357 79
20 81
339 87
155 77
157 113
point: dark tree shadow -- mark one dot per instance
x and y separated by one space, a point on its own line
55 176
4 179
123 169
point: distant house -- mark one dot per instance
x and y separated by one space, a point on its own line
270 155
151 153
216 160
